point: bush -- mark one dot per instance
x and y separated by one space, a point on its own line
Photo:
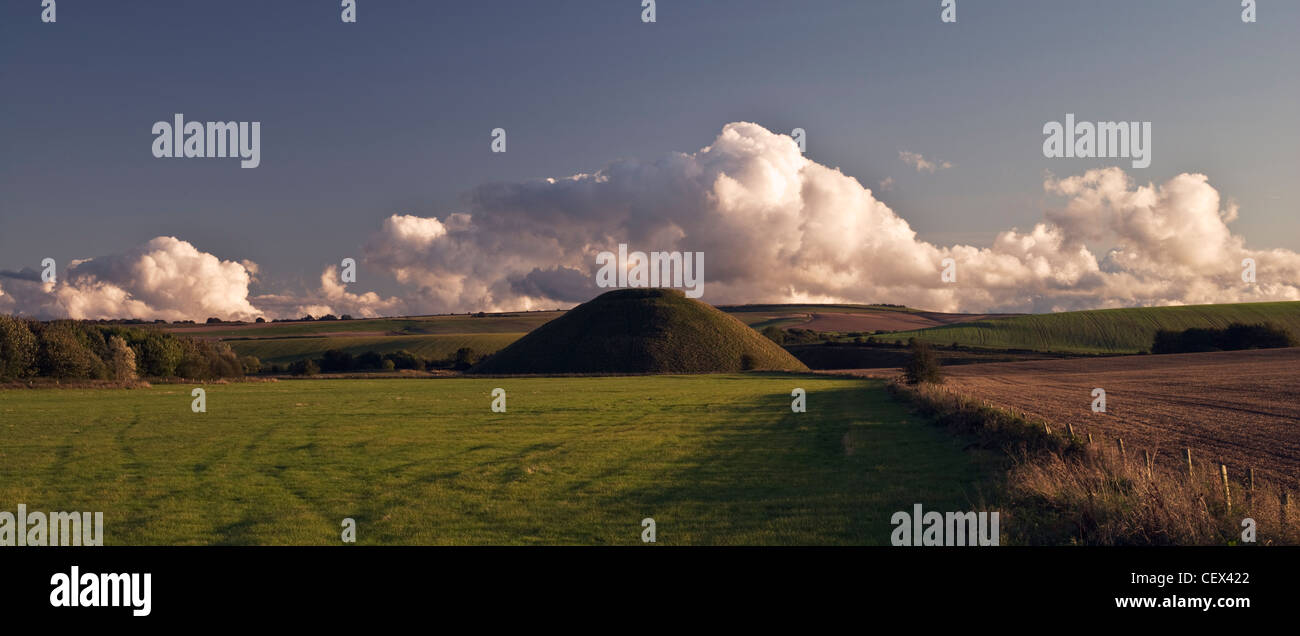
205 360
464 359
775 334
924 365
304 367
1235 337
121 359
796 335
336 361
64 352
370 360
18 349
250 364
403 359
157 354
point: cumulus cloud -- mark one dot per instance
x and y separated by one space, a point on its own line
170 279
922 164
773 225
776 226
331 297
165 278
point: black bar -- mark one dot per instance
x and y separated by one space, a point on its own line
941 584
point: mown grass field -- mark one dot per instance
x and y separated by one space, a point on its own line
713 459
1104 330
432 347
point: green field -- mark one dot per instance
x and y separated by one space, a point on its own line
762 316
432 347
1103 330
713 459
452 324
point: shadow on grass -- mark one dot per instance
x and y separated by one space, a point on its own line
834 474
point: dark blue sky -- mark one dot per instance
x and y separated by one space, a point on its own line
393 114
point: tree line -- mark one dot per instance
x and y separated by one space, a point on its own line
339 361
77 350
1234 337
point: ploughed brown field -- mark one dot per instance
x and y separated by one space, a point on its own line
1241 408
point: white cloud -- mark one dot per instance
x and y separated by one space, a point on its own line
774 226
922 164
165 278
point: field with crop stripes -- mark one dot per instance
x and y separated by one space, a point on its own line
1102 331
717 459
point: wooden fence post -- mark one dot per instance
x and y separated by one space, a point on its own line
1187 453
1227 492
1119 443
1146 460
1069 428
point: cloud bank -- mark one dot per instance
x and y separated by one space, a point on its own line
166 278
774 226
778 227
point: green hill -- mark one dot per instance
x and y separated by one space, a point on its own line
516 322
1102 330
641 331
432 347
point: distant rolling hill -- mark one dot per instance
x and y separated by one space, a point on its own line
512 322
429 337
1102 330
439 336
430 347
846 318
1093 331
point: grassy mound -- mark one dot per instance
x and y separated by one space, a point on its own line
641 331
1103 330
